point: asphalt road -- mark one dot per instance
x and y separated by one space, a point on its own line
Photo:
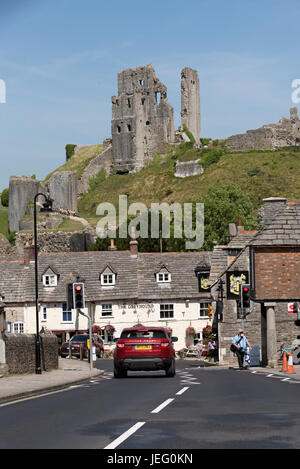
199 408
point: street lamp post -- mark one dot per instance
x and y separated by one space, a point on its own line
47 207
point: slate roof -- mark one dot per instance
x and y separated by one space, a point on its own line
135 276
241 239
283 230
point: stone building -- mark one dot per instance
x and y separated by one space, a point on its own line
142 119
268 260
282 134
122 288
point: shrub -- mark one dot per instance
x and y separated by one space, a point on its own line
189 134
5 197
69 150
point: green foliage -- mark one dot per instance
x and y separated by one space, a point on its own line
96 180
69 150
5 197
189 134
205 141
223 204
210 156
12 238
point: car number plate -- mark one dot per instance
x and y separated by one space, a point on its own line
142 347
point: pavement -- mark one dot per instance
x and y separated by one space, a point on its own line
69 372
74 371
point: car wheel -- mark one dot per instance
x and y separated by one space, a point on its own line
119 372
170 372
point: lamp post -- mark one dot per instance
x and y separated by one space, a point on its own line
47 207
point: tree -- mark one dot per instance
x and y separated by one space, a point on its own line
224 204
5 197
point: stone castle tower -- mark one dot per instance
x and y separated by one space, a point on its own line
190 102
142 119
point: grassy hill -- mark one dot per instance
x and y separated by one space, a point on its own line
79 161
260 174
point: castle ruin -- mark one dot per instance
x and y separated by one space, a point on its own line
142 119
284 133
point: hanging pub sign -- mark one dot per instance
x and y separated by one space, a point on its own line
202 272
234 281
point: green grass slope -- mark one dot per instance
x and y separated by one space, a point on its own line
260 174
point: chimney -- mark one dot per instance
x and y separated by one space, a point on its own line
240 225
133 245
232 231
112 246
272 206
28 253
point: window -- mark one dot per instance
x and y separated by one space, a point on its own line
106 310
44 314
108 279
107 337
166 311
18 327
203 313
163 277
50 280
66 315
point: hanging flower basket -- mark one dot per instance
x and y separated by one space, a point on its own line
96 329
109 329
190 332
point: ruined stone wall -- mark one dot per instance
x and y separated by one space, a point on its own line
62 188
20 353
285 133
188 168
190 102
102 161
142 119
21 191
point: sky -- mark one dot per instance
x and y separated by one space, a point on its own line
59 61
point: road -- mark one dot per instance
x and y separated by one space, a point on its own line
198 408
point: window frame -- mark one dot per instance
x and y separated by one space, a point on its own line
103 307
202 309
166 277
169 310
49 276
20 327
64 310
108 284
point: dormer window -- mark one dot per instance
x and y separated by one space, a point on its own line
50 277
163 276
50 280
108 277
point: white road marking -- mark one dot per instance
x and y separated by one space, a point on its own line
182 391
125 435
162 406
268 376
286 379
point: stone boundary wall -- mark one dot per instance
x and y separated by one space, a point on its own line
20 353
58 241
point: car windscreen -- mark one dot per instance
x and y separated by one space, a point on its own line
79 338
149 334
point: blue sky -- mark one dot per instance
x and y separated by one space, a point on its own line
60 58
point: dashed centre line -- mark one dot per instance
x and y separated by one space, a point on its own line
162 406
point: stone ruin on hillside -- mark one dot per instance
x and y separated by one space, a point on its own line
284 133
142 126
142 118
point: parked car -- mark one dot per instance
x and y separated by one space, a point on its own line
144 349
81 339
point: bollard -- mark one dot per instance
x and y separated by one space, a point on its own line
70 350
81 351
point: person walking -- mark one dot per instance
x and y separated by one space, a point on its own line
240 342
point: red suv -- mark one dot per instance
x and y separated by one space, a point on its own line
144 349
